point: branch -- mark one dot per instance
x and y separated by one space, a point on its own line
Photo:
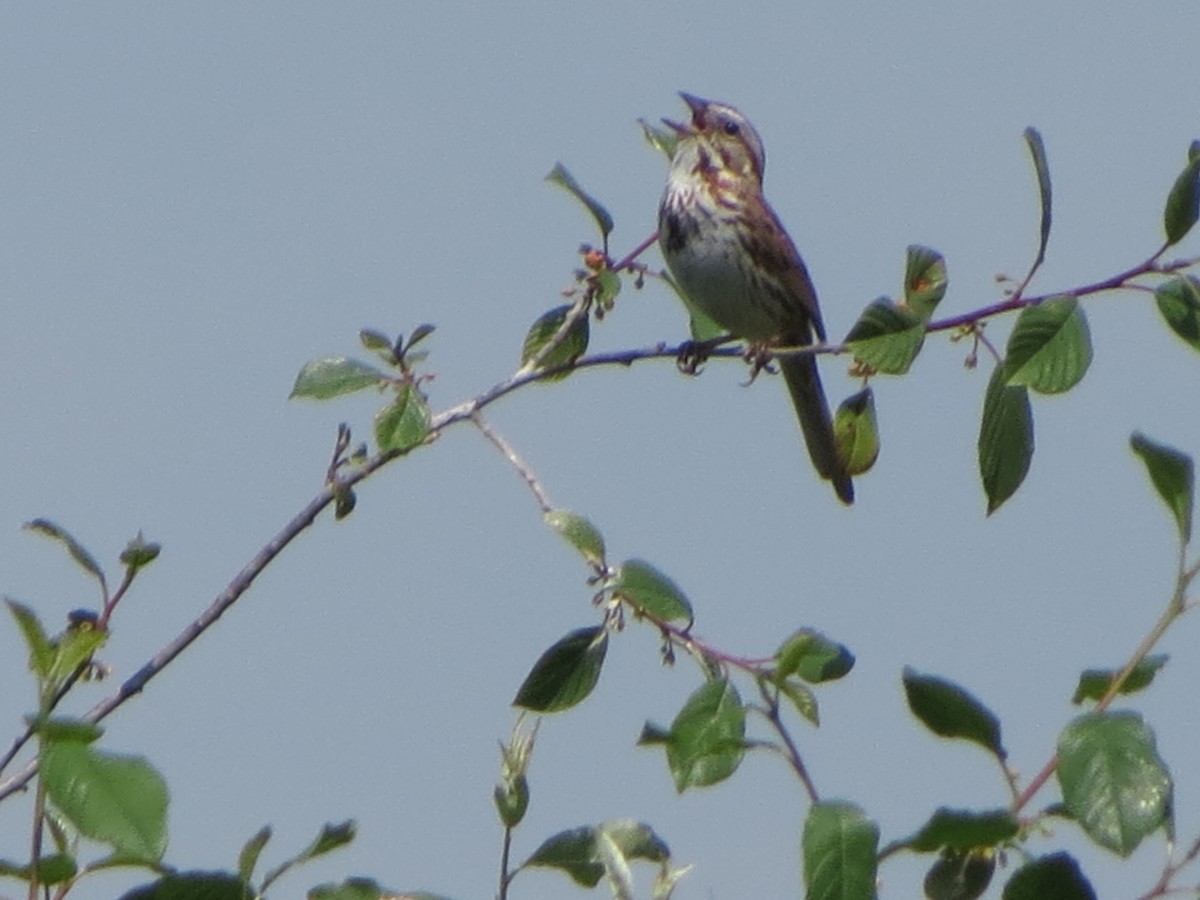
527 474
1176 607
468 410
1119 281
789 750
238 586
1163 886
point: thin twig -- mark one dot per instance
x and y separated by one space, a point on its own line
505 875
793 752
991 348
523 469
35 854
630 258
1175 608
110 604
238 586
1170 870
1116 282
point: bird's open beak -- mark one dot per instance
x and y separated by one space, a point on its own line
697 105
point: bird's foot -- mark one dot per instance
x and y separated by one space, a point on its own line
758 357
692 355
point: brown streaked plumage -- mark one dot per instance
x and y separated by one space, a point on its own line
731 256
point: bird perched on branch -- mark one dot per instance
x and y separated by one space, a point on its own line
731 257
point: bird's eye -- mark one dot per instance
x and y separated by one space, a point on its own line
731 127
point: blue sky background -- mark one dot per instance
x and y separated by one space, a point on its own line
198 199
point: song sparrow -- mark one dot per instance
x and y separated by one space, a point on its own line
730 255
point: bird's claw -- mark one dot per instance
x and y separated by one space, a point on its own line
758 357
692 355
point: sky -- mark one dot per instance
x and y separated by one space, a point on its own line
200 198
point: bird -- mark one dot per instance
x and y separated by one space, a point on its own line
732 258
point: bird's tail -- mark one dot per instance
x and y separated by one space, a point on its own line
804 384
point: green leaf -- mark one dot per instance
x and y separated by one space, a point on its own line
666 880
801 697
963 829
1094 683
572 344
839 847
362 889
577 852
949 711
608 287
562 178
324 379
664 140
887 337
960 874
1171 473
636 840
332 836
1183 203
376 342
706 742
10 869
365 889
512 800
813 657
52 869
1005 439
251 851
618 843
139 553
616 868
66 728
117 800
1178 300
419 334
856 432
511 794
650 592
78 552
73 648
579 533
41 651
404 423
344 501
56 868
566 673
1050 347
1037 149
1113 781
1056 876
925 280
59 829
191 886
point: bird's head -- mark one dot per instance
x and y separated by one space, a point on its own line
721 135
